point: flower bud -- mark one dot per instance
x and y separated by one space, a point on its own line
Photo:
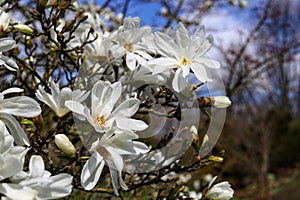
243 3
22 28
221 102
216 158
231 2
64 144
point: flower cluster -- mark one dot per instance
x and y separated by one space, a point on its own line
35 184
121 74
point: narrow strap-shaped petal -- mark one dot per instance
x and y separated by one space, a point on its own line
10 166
9 63
6 44
17 192
127 108
36 166
12 90
91 171
179 82
15 129
21 106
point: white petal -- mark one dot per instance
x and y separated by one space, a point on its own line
59 186
114 180
127 108
131 124
140 147
10 166
179 82
15 128
12 90
6 140
21 106
46 98
163 64
200 72
75 107
208 62
165 44
9 63
181 36
6 44
36 166
130 61
91 171
17 192
114 160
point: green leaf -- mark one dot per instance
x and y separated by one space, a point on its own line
27 122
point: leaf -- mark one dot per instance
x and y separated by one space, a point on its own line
27 122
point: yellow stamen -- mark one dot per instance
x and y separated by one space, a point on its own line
100 120
128 47
184 62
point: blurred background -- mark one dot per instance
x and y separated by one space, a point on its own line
258 44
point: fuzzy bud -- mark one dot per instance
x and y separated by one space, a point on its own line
64 144
221 102
22 28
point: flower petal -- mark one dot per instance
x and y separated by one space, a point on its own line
131 61
179 82
21 106
36 166
208 62
9 63
6 44
131 124
10 166
15 128
91 171
200 72
12 90
17 192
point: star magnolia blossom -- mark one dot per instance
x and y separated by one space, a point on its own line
185 54
7 44
219 191
102 114
56 100
37 183
109 150
19 106
133 39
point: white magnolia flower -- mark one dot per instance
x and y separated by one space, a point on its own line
219 191
10 162
37 183
4 20
21 106
185 53
133 40
109 150
221 101
103 112
56 100
7 44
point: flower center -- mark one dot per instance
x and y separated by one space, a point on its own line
128 47
100 120
184 62
102 151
